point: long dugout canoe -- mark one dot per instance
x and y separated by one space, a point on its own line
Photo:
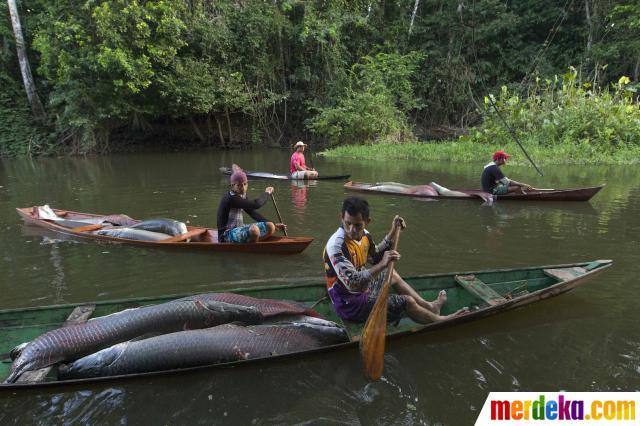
486 293
577 194
267 175
198 238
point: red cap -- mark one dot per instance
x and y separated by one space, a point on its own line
500 154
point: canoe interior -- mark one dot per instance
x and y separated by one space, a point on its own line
519 287
577 194
200 237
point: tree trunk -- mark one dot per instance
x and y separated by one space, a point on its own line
27 77
196 129
590 27
413 15
226 113
209 130
222 141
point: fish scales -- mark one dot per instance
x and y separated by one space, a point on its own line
225 343
268 307
77 340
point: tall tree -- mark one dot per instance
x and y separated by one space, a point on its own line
27 77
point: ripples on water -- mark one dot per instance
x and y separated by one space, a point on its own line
584 340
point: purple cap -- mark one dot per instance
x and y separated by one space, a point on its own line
238 176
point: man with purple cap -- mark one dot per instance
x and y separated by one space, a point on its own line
231 227
495 182
297 166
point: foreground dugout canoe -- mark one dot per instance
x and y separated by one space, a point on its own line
199 238
277 176
577 194
485 292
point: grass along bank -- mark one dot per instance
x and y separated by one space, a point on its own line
471 152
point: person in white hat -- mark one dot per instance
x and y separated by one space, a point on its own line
297 167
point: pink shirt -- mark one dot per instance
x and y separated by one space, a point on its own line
296 158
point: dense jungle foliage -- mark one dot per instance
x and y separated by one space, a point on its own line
238 72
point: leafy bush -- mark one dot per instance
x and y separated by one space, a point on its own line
374 105
565 111
20 135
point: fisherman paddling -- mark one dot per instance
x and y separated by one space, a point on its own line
297 166
231 227
495 182
353 288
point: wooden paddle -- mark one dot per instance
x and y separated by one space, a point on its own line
278 213
375 329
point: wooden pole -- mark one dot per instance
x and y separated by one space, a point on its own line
278 213
311 157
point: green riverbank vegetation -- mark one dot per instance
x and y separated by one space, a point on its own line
120 74
560 121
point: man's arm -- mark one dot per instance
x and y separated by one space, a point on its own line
257 216
378 250
520 184
242 203
358 281
298 164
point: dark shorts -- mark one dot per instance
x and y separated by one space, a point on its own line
396 304
501 189
356 307
240 234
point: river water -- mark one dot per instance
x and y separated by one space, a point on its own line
586 340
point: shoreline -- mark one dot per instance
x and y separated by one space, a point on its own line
468 152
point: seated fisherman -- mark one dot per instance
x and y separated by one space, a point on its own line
495 182
231 227
297 166
353 288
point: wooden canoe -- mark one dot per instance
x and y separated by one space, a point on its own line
277 176
486 293
199 238
578 194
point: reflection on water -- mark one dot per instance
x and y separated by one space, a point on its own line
57 281
584 340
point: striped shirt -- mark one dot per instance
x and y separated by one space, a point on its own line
346 274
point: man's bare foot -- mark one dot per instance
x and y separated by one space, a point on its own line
439 302
457 313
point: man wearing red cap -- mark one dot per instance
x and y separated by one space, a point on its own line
297 166
495 182
231 227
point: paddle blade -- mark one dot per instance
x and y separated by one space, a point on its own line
375 329
373 338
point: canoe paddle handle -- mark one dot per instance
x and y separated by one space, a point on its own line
278 213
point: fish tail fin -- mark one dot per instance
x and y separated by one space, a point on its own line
313 313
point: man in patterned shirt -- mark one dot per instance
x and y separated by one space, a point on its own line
353 288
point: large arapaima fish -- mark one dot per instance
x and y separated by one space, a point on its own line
132 234
193 312
224 343
165 226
